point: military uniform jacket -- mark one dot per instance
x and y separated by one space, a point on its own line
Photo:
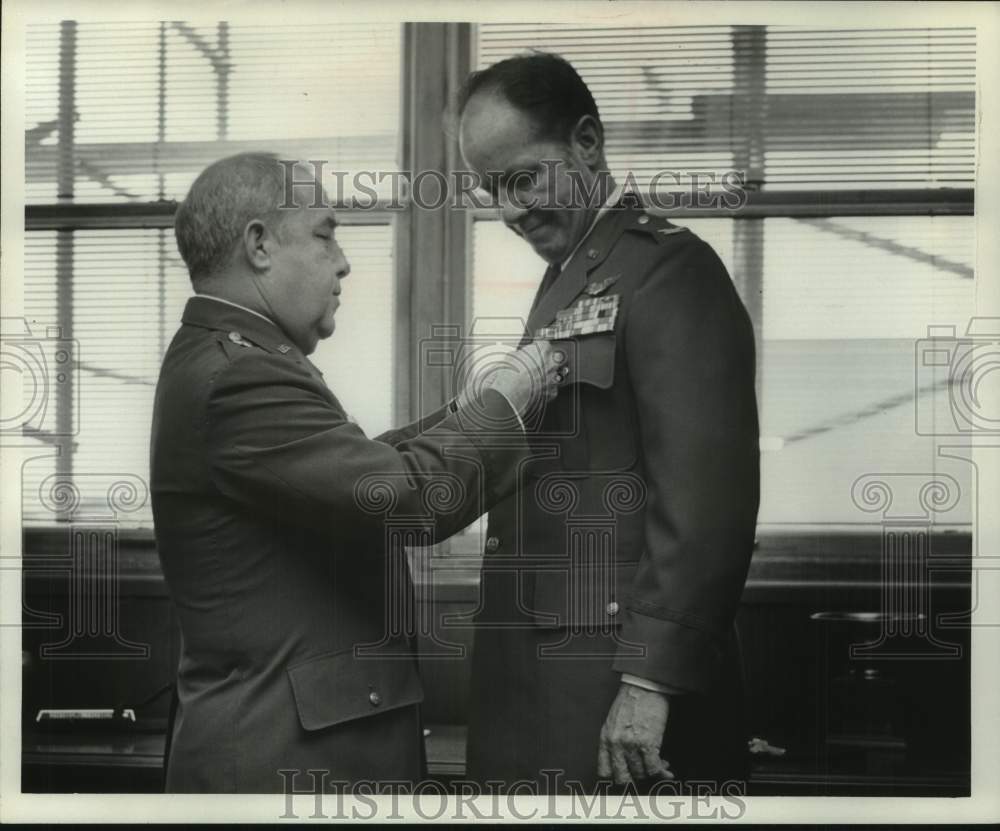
270 510
637 514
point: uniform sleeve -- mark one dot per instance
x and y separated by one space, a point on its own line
413 430
425 423
690 351
279 445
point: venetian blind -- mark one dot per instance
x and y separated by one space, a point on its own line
795 108
133 111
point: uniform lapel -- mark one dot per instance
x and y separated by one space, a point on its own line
573 279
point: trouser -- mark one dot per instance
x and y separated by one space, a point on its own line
531 714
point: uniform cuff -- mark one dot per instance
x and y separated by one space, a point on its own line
670 652
652 686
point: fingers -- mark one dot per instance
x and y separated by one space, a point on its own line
631 764
633 760
619 767
603 762
656 767
624 763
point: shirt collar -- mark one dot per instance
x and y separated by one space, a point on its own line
239 322
612 200
237 306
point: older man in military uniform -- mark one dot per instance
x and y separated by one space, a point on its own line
266 504
605 645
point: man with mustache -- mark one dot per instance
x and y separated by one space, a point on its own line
266 502
605 647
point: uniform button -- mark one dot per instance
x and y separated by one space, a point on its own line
492 544
643 219
558 356
374 698
612 608
592 253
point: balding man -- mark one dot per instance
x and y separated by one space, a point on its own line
266 498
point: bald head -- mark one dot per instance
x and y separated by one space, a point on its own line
226 196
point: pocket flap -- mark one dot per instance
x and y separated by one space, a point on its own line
590 358
590 597
332 689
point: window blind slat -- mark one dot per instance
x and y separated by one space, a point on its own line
159 100
868 96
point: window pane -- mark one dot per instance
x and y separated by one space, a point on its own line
845 302
505 273
796 108
357 362
871 108
152 103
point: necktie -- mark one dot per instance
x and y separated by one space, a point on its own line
551 274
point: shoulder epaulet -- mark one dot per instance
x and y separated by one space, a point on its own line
657 226
234 344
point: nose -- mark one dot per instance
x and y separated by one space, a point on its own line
343 271
511 211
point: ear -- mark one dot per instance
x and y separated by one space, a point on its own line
587 139
258 244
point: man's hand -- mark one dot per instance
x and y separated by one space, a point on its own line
522 376
632 735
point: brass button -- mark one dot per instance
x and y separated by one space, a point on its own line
612 608
374 698
592 253
643 219
492 544
558 356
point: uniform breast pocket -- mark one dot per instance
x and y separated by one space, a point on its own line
598 405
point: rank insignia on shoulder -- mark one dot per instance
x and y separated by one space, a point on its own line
589 316
673 229
237 338
602 285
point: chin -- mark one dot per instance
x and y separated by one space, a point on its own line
551 253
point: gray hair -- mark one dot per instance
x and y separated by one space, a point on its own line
226 196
